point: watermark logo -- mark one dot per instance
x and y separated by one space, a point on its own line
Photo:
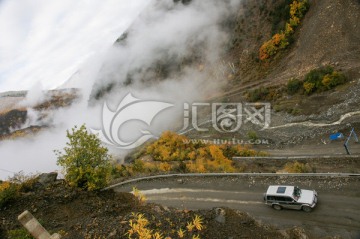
129 109
232 141
225 118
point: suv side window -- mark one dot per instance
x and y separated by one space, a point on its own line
270 198
280 199
288 199
284 199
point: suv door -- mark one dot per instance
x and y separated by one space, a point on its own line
293 204
287 202
281 201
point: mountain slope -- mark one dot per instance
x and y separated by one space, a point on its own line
330 34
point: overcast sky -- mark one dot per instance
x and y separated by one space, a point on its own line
47 41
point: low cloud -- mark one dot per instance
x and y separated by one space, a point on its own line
189 40
48 41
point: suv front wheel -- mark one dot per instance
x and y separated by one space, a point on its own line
277 207
306 209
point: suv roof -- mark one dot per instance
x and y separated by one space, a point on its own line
280 190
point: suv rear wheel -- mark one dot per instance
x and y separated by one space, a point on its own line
306 209
277 207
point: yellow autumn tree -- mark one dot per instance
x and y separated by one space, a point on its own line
198 157
170 147
279 41
219 162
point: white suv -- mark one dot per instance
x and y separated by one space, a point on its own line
291 197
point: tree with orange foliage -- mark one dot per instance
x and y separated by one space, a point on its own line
199 158
279 41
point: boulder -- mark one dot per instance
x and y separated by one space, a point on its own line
220 215
47 178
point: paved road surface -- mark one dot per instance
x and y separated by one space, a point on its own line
337 213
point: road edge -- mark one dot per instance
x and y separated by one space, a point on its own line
340 175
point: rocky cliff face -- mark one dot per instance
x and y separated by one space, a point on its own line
166 41
19 118
329 34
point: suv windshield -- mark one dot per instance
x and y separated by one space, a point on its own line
297 192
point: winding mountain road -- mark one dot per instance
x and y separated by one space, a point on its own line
337 213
